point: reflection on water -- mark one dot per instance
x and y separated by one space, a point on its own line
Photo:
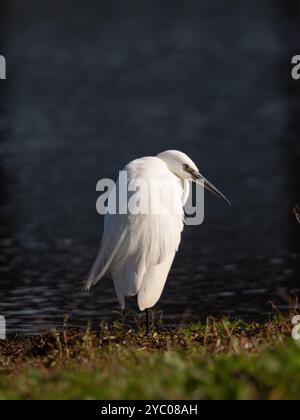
89 90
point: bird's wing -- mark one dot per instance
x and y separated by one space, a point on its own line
153 283
132 244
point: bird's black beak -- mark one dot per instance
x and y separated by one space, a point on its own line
199 179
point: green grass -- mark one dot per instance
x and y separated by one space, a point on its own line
216 360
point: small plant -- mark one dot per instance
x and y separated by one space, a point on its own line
217 359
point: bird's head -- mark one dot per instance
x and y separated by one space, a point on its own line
182 166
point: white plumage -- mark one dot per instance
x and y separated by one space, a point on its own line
137 250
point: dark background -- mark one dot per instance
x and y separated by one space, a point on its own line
92 85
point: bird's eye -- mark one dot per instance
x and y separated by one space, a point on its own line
186 166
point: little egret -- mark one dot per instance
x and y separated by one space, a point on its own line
137 250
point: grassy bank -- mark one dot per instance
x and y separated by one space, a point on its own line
215 360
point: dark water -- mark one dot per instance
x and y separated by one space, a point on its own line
90 88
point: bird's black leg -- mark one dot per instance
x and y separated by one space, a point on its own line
147 322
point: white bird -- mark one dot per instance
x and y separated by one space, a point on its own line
137 250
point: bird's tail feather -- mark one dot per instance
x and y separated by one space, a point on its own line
98 270
102 264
